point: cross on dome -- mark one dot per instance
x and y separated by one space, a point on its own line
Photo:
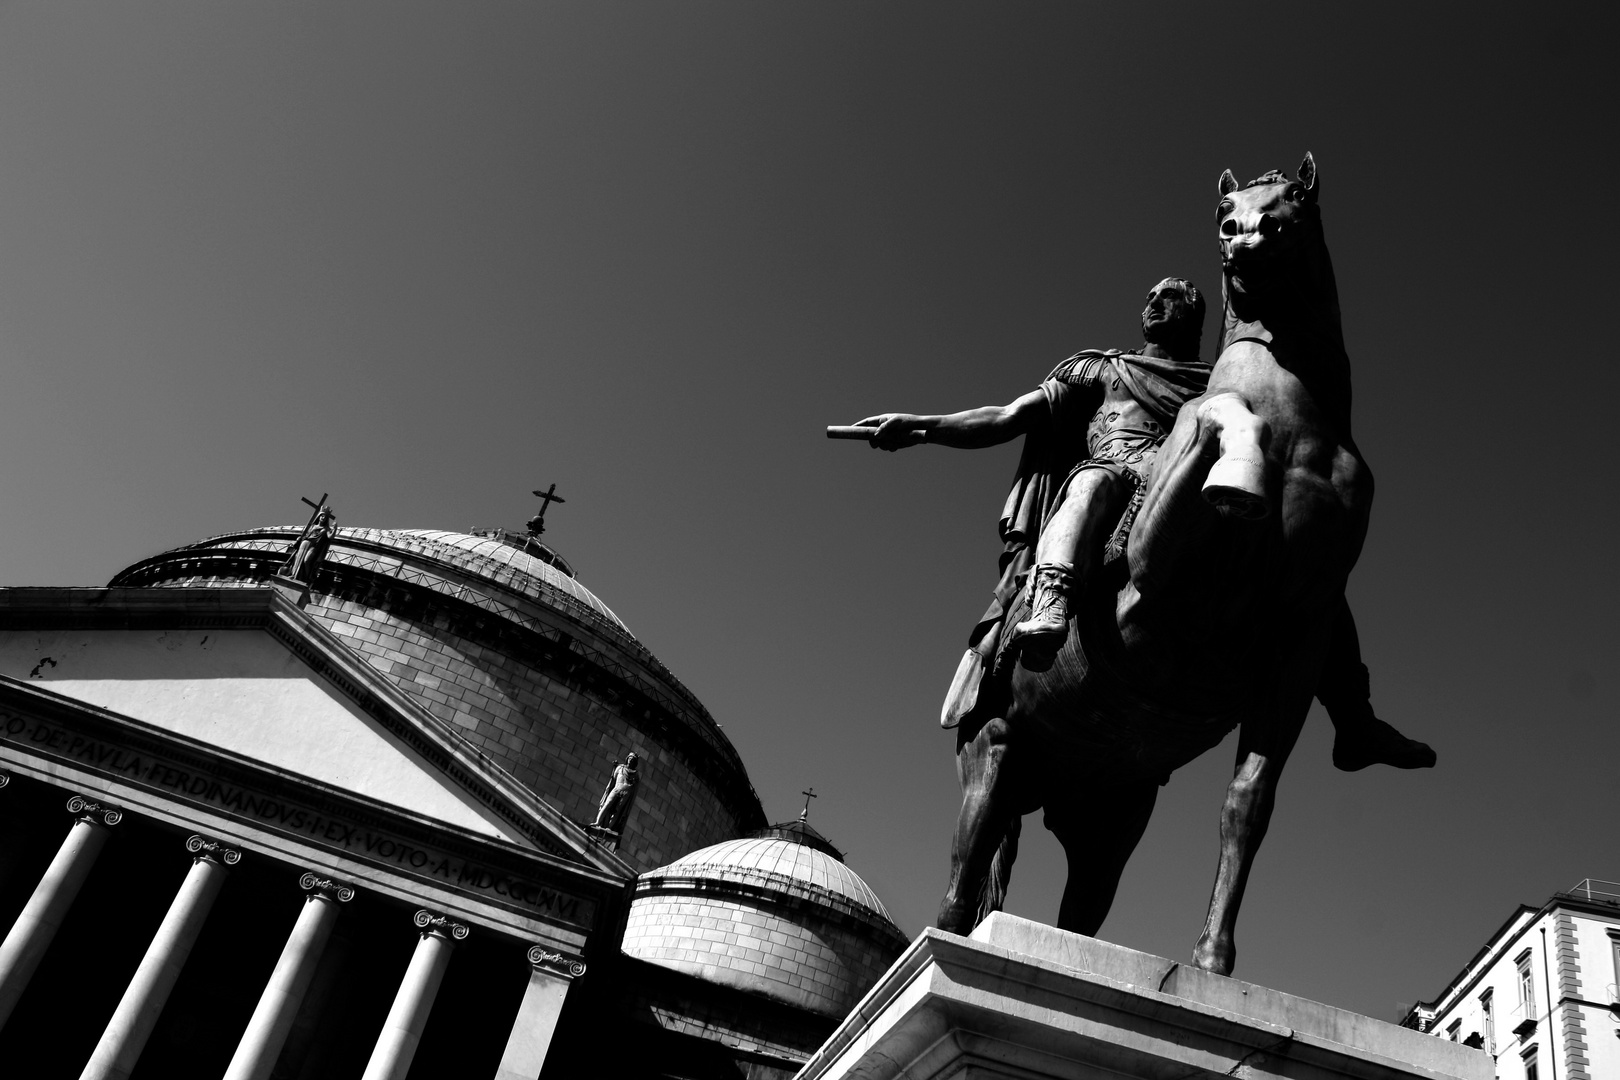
537 524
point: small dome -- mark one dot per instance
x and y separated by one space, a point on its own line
777 914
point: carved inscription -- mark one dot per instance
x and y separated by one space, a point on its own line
287 817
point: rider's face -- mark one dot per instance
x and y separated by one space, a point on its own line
1167 306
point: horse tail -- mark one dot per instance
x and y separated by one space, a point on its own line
994 892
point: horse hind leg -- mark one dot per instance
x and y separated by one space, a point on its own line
986 829
1236 484
1099 829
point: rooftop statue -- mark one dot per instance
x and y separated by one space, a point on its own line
1193 529
614 808
310 549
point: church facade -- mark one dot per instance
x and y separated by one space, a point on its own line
343 826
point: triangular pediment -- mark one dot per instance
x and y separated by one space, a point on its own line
264 682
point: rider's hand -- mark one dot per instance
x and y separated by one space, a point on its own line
894 430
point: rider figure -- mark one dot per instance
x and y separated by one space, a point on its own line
1095 426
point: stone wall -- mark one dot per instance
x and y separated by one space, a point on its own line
782 951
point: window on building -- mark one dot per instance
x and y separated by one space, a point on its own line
1527 983
1454 1031
1487 1018
1531 1071
1614 947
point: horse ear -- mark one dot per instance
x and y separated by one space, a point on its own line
1307 172
1228 183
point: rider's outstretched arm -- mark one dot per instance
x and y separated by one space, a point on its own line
969 429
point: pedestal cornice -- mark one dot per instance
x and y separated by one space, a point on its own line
1021 998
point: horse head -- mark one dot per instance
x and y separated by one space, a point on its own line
1275 271
1267 226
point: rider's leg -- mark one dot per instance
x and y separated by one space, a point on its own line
1070 546
1360 739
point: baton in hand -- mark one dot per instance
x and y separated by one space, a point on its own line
865 433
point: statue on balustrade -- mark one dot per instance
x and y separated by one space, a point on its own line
1177 542
309 550
618 797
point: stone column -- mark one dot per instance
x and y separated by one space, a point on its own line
137 1013
278 1006
550 975
31 934
402 1031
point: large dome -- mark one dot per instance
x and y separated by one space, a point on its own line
776 914
494 635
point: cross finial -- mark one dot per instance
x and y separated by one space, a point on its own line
537 524
809 793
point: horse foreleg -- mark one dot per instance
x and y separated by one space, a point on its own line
1244 819
988 812
1263 748
1236 483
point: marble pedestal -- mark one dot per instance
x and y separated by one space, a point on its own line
1022 999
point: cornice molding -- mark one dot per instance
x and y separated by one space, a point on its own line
489 871
265 609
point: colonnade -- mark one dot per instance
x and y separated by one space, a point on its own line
138 1011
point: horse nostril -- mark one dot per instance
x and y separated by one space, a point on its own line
1228 227
1269 225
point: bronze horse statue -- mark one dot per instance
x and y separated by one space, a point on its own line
1237 563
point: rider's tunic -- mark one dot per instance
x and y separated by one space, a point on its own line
1077 435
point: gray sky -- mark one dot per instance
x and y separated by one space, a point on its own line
428 257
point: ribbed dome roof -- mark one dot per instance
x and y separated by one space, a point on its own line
420 557
777 913
495 560
772 861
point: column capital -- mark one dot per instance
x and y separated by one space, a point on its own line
555 962
5 778
204 849
326 888
87 810
442 925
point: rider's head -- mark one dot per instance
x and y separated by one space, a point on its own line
631 760
1174 315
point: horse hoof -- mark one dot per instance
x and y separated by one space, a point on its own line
1236 486
1218 960
955 922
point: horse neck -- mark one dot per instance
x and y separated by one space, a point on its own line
1300 320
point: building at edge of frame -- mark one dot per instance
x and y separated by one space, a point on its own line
1541 996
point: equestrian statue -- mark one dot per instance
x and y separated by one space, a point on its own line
1177 544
